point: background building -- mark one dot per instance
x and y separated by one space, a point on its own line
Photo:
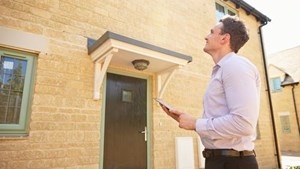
284 73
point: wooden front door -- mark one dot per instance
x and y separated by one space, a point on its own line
125 145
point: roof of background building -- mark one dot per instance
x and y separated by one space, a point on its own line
287 61
251 11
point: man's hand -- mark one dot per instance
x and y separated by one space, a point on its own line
185 120
174 115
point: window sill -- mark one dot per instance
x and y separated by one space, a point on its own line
13 136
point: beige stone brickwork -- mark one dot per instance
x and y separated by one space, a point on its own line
65 121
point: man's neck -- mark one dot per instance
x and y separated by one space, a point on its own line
217 56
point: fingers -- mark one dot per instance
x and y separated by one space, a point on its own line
164 108
175 114
178 113
187 122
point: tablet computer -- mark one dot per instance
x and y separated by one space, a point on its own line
168 106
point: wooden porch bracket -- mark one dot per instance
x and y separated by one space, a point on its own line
101 65
161 85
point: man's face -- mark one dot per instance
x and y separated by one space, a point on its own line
213 39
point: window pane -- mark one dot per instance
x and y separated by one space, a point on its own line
12 75
13 115
220 11
2 113
277 84
231 13
285 124
15 100
220 8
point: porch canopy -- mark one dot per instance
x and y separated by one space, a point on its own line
112 49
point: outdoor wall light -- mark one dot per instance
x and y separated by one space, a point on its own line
140 64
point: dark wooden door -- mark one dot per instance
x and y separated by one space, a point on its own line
125 120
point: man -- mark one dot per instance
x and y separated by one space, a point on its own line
231 101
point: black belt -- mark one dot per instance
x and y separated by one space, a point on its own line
207 153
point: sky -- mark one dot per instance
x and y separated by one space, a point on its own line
283 32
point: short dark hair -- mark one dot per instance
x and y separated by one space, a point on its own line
237 31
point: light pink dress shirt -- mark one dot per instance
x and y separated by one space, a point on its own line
231 105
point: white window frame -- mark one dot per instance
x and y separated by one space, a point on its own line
227 9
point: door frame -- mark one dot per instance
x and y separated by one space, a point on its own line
148 78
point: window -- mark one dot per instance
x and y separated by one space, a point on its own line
275 84
222 10
285 124
16 83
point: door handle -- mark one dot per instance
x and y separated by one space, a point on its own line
145 133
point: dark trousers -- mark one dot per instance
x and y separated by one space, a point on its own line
226 162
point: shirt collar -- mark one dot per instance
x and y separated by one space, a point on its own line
225 58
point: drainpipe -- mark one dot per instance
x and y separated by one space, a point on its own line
269 95
295 106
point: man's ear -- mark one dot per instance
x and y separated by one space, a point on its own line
226 38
